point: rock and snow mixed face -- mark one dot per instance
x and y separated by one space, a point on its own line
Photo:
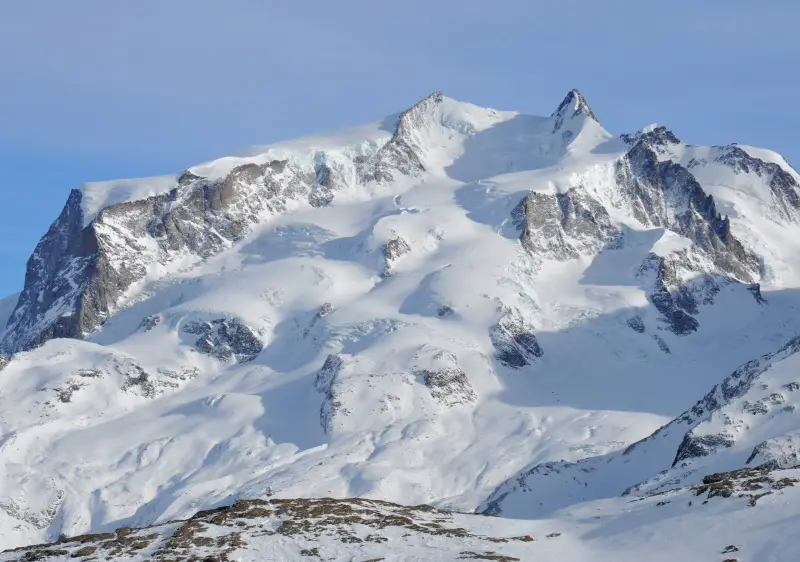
415 310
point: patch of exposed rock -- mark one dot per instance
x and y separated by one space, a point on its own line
325 384
392 251
150 322
657 138
314 528
514 340
636 323
666 194
225 339
750 483
564 226
446 380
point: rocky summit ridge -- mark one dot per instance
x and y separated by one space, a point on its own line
77 276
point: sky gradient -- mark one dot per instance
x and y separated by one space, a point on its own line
94 90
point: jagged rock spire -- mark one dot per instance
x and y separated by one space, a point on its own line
574 104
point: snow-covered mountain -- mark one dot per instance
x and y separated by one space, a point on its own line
457 306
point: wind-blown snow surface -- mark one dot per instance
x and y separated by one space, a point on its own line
483 292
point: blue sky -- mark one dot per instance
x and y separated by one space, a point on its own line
91 89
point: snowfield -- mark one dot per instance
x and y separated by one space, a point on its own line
472 309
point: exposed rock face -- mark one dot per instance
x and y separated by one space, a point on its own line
784 187
52 304
404 153
514 341
140 381
392 251
563 225
636 324
666 194
693 447
750 483
678 300
325 186
449 386
567 225
657 194
225 338
447 381
695 443
325 383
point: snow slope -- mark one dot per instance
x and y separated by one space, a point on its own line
423 310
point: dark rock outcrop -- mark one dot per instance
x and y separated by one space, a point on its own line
225 338
657 139
446 380
63 293
666 194
150 322
325 384
636 323
701 446
563 226
449 386
514 341
313 528
78 275
392 251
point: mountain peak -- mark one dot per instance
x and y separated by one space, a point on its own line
417 113
573 104
654 135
